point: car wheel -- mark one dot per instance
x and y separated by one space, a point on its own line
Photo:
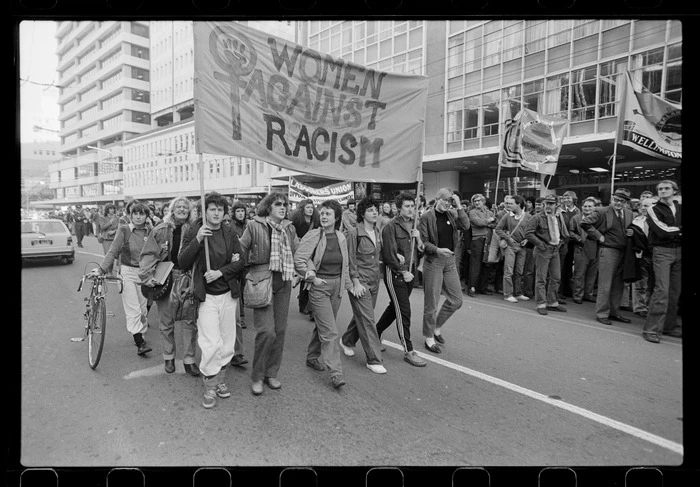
69 260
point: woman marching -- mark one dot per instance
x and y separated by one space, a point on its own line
322 259
239 221
108 225
127 245
217 290
304 218
267 247
164 244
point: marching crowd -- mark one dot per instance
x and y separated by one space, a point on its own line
625 256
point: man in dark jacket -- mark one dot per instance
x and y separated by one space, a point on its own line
547 233
398 270
665 232
608 225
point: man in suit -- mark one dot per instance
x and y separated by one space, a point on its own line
608 225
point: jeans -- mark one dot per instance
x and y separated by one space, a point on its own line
642 289
216 332
663 306
166 325
362 326
513 265
439 277
585 270
547 276
270 330
610 283
399 307
325 301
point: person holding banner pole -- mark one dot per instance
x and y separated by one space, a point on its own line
268 245
216 288
398 269
322 259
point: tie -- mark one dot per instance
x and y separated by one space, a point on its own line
622 218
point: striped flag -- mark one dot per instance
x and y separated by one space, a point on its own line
533 141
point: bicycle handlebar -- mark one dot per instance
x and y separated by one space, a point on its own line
102 277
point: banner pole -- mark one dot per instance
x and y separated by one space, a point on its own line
515 186
415 219
203 210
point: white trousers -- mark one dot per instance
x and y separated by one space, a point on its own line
216 332
134 302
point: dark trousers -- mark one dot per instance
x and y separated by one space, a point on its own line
399 294
79 232
477 278
303 300
566 258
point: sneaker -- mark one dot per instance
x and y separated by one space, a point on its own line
257 387
222 390
377 368
510 299
337 381
209 399
347 350
272 383
413 359
522 297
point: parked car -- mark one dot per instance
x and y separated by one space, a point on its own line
46 239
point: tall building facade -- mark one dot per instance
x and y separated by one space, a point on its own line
104 100
483 71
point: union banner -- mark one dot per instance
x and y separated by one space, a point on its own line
533 141
257 95
648 123
341 192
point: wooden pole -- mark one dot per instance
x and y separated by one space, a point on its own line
203 210
415 219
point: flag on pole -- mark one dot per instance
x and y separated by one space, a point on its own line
533 141
648 123
261 96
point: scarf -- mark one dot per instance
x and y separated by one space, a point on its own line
281 259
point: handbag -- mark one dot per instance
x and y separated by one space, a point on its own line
183 302
257 292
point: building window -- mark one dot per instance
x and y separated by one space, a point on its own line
674 65
491 113
471 117
583 94
647 69
535 33
557 98
512 40
532 95
559 32
455 56
611 75
454 121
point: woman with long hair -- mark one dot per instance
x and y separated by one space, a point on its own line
268 245
304 218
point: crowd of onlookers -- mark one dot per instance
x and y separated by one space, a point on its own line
625 256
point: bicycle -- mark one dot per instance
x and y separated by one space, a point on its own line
96 313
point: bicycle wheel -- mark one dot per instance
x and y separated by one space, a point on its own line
96 332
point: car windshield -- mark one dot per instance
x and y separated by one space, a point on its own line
42 227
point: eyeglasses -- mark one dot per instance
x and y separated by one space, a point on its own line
280 203
618 200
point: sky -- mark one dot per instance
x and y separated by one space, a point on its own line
37 70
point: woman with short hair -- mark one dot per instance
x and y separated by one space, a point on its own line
127 245
108 225
322 260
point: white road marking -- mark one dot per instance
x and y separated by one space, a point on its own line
611 423
155 370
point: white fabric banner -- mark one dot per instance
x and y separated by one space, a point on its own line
341 192
257 95
649 124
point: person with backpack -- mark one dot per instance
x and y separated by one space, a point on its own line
127 246
163 245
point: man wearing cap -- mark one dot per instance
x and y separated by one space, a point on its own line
547 233
608 225
566 254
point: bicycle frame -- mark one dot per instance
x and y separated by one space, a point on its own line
96 309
